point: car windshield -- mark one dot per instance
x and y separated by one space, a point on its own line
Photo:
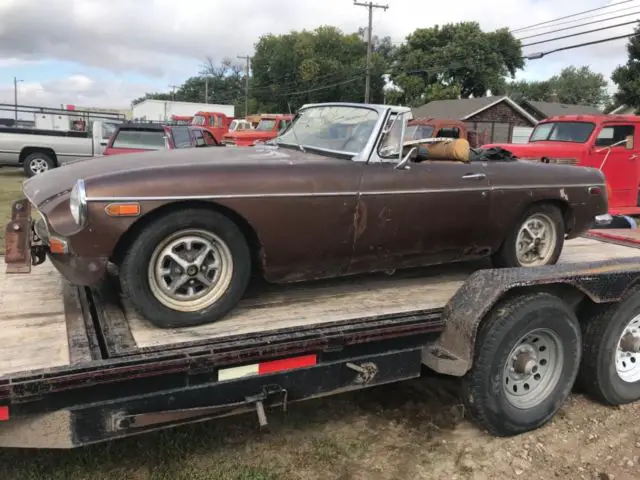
575 132
266 125
139 139
339 128
199 120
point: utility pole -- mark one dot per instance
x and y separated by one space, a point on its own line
173 91
370 6
15 97
206 89
246 84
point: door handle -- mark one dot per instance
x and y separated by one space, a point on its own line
474 176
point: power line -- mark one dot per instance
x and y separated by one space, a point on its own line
528 27
322 88
588 18
370 6
580 25
579 33
537 55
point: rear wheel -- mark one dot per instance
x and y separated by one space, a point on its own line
186 268
526 360
37 163
610 370
536 240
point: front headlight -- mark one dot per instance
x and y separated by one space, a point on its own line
78 203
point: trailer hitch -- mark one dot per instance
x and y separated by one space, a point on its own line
122 421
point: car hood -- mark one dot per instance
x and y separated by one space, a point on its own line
108 171
541 149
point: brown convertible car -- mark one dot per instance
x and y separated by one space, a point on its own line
338 193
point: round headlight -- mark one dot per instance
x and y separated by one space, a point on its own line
78 203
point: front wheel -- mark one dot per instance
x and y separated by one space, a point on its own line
186 268
37 163
526 360
536 240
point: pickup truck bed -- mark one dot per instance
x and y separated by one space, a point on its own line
48 324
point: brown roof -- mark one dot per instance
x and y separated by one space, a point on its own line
553 109
463 108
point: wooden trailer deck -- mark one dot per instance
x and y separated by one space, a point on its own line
42 323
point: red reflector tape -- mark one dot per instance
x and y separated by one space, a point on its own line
287 364
4 414
267 367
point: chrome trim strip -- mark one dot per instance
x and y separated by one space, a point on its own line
334 194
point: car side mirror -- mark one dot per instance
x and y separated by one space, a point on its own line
404 163
629 142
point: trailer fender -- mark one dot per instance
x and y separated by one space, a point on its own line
452 353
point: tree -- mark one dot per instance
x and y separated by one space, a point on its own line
315 66
455 60
627 77
575 86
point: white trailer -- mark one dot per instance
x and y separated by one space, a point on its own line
162 110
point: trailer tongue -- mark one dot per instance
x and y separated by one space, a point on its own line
77 366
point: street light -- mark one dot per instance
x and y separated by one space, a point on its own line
15 97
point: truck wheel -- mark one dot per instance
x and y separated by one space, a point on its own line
37 163
186 268
610 370
536 240
526 360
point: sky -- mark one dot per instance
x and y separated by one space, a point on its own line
98 53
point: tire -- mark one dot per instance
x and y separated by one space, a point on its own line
147 289
488 388
506 256
41 159
603 327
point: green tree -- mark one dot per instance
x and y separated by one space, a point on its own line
627 77
455 60
573 85
315 66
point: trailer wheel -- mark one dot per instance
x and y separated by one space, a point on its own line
526 360
535 240
186 268
37 163
610 370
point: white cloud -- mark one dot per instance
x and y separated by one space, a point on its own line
165 38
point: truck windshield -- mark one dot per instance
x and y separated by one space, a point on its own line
199 120
139 139
418 132
266 125
338 128
575 132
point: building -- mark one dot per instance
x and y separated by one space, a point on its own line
162 110
542 110
497 118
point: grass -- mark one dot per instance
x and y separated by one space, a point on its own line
368 434
10 189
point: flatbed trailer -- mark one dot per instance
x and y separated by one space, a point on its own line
77 366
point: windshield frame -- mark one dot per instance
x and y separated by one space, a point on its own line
363 155
553 128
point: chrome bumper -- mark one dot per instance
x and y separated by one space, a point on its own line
605 219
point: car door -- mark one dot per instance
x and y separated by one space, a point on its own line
432 212
620 165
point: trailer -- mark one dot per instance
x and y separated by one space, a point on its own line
78 366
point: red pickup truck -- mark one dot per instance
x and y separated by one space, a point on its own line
269 126
610 143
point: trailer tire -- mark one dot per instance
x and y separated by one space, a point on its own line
165 252
508 402
36 163
608 373
547 215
